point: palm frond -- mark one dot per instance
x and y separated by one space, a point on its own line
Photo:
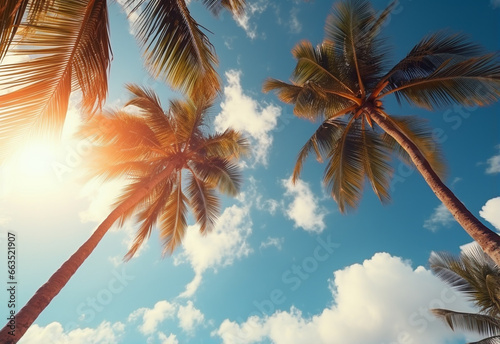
236 7
478 323
203 201
375 155
489 340
149 215
344 174
322 142
11 15
176 49
469 82
220 173
228 144
173 220
421 135
70 51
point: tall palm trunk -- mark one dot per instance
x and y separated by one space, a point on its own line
487 239
44 295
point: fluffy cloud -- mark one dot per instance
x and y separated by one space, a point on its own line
491 212
493 163
105 333
131 16
245 114
171 339
441 217
226 243
383 300
152 317
189 317
276 242
304 209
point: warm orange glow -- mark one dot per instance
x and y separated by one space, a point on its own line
29 172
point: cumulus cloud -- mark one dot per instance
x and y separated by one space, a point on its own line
383 300
152 317
226 243
270 241
189 317
171 339
491 212
304 209
441 217
493 162
105 333
242 113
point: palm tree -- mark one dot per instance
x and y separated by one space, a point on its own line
64 47
476 275
343 81
171 162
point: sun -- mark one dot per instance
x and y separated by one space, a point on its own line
29 171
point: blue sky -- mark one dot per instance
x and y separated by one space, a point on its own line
283 265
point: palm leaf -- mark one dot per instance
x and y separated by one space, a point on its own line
71 51
220 173
236 7
478 323
420 134
176 49
203 201
490 340
474 81
173 220
228 144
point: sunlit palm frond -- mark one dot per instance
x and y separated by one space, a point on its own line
11 15
236 7
189 119
353 27
149 216
322 142
203 201
173 219
69 50
228 144
220 173
470 82
489 340
478 323
422 136
344 174
176 49
376 157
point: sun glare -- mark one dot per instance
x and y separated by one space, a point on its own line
29 171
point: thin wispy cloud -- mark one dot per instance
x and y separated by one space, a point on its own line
247 20
272 242
441 217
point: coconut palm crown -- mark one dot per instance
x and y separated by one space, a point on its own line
170 163
343 82
474 274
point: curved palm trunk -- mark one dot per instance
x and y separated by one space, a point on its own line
44 295
487 239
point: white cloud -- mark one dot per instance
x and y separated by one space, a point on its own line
189 317
293 22
383 300
441 217
131 16
226 243
152 317
493 162
171 339
270 241
245 20
101 196
495 3
304 209
242 113
491 212
105 333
